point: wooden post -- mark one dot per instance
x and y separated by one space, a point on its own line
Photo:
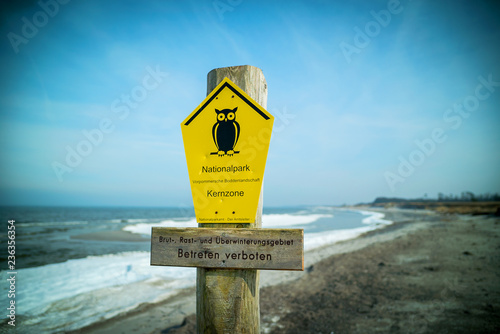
227 300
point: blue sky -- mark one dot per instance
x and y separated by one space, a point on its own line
371 98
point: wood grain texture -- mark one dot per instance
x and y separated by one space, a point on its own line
227 300
248 78
272 249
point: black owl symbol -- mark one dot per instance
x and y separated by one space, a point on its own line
226 132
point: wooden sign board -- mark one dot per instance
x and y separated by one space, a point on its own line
274 249
226 139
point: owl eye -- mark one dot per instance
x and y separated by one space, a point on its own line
230 116
220 117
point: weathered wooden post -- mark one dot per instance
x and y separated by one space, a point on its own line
226 139
227 301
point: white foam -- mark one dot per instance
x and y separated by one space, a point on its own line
271 220
275 220
46 224
374 221
115 221
138 220
316 240
374 218
145 228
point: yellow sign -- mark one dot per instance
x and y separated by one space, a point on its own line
226 139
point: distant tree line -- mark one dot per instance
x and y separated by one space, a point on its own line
468 196
465 196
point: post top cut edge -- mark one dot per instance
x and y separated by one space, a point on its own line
227 83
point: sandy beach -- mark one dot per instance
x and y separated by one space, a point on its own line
428 272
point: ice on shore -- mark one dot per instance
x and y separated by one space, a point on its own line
76 293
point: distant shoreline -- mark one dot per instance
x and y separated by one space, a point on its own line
459 207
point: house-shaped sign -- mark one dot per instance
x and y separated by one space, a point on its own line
226 139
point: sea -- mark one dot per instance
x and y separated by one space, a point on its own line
65 282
